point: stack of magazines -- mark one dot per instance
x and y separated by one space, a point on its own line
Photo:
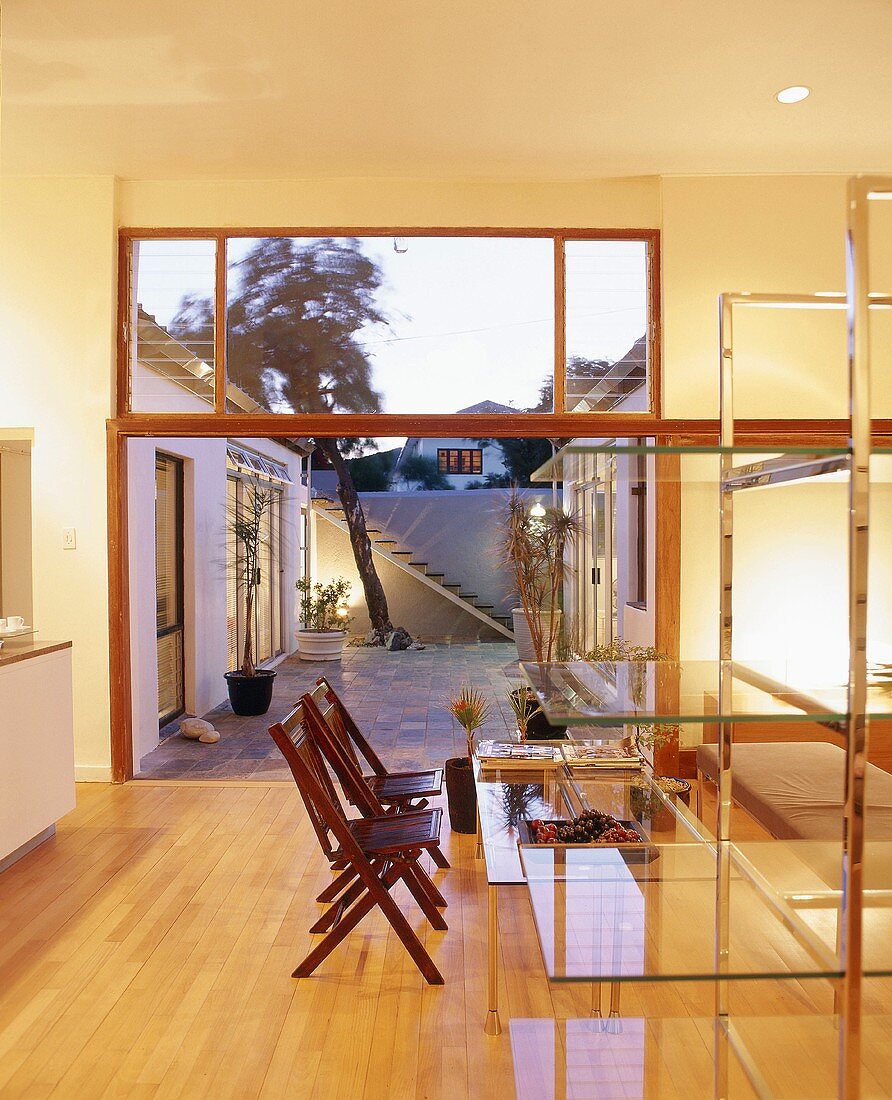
513 752
579 755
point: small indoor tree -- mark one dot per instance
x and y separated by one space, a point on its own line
250 689
535 544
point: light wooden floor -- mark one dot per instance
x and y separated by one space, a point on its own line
147 951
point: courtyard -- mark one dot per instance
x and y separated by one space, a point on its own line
398 700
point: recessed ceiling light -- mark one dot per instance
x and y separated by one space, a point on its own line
794 94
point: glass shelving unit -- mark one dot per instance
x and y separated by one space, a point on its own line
720 907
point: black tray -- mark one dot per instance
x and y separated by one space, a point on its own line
645 852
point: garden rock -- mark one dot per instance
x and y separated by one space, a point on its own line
196 729
399 639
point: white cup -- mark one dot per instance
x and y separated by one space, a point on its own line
15 622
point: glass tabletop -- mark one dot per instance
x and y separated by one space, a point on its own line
508 796
616 693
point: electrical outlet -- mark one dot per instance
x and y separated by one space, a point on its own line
69 538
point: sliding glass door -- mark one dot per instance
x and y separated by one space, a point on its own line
268 595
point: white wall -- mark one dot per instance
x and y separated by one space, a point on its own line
204 577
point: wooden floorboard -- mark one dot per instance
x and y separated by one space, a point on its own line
147 950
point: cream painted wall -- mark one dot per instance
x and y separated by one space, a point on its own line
390 202
57 300
767 234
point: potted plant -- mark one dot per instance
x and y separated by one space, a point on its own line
250 688
535 543
324 616
532 725
470 710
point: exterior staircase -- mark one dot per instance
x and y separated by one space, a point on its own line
406 560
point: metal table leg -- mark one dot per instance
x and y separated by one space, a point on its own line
478 851
493 1025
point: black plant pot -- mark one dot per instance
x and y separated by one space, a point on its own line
250 695
538 726
461 795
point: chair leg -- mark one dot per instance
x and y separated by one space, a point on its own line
430 887
436 854
377 895
336 886
334 937
335 912
409 874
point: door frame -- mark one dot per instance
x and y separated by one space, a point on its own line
180 467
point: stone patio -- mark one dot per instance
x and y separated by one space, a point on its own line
396 698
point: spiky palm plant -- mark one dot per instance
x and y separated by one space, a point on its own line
470 709
535 548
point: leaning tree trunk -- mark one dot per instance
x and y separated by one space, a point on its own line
376 601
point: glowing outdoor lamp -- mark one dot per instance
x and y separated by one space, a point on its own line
537 511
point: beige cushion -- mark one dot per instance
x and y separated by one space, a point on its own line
795 789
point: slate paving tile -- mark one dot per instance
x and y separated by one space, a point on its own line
397 699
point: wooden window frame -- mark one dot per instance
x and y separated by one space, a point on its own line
460 452
218 424
559 237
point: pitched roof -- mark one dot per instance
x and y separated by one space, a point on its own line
619 380
487 407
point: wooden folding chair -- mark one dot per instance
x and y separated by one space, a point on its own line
357 791
405 790
378 852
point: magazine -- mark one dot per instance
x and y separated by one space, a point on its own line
577 754
523 752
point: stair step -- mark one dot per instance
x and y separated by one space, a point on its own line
486 607
437 576
452 586
420 565
468 596
402 553
385 542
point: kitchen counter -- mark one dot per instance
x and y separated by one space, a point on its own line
36 743
24 648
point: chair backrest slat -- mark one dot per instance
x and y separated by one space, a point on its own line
355 788
294 741
345 728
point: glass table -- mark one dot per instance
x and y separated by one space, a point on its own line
608 914
509 794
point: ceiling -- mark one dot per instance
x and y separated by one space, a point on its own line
566 89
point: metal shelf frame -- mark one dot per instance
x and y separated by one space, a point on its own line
858 302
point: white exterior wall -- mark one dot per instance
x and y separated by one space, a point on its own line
492 457
204 575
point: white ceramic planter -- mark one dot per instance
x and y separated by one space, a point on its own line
320 645
522 637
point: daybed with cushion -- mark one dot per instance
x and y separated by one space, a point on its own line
794 790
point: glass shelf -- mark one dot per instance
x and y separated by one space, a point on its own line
505 795
752 466
573 462
602 916
621 693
